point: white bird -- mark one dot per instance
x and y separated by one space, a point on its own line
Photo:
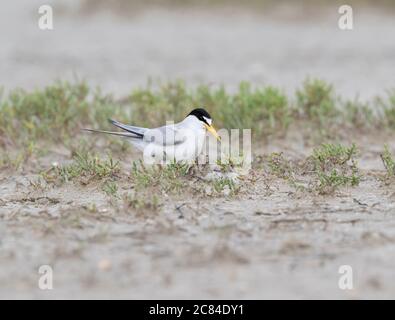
181 141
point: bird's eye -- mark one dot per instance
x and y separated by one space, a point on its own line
207 121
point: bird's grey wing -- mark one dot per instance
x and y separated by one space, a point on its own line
139 131
169 135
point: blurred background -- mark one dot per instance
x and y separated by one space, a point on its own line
122 44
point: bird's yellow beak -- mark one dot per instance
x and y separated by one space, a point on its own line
212 131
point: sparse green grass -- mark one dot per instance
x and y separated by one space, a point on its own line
110 188
329 167
329 154
225 186
316 101
266 110
30 121
84 168
335 165
176 178
54 115
170 178
43 114
388 162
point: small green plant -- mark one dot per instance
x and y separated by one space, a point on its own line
110 188
85 167
141 175
225 185
316 101
329 154
169 178
334 165
388 161
336 178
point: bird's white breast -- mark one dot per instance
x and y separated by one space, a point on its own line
181 142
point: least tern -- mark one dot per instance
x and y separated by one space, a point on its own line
181 141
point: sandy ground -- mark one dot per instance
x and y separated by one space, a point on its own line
268 243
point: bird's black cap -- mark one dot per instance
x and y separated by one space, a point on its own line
201 114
